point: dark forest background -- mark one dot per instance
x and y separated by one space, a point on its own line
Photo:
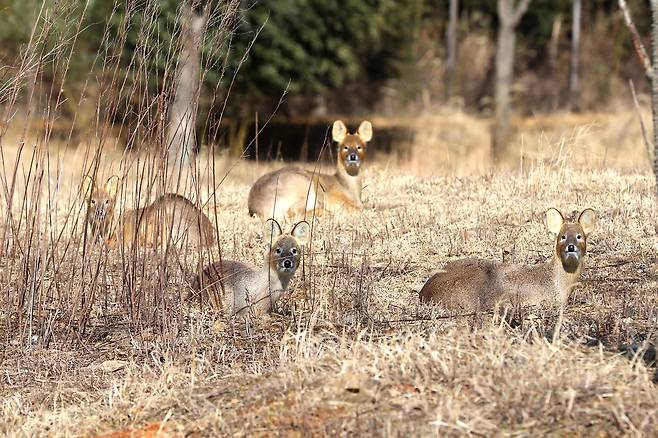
325 58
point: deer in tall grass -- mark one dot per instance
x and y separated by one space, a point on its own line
239 288
168 216
475 284
293 192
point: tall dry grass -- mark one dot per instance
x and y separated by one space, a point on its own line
52 137
353 349
97 340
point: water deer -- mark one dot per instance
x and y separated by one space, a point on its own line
474 284
169 216
293 192
240 289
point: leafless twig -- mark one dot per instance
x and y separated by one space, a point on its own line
645 137
637 41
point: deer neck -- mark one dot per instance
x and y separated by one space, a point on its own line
351 184
275 283
563 280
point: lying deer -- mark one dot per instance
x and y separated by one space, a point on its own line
474 284
170 215
240 288
292 192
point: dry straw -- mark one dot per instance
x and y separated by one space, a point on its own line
97 340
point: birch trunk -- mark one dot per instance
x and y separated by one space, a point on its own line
509 16
451 37
181 132
574 91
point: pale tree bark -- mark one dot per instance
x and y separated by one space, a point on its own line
509 15
181 133
553 48
451 37
654 86
574 91
650 70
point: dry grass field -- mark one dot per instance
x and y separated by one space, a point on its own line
102 343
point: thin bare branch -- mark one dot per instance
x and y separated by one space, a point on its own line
520 9
637 41
645 137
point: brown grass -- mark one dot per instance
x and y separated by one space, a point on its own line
101 343
457 143
352 351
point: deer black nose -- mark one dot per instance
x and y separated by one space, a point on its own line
571 248
287 264
353 157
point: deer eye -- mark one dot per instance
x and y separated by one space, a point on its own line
278 251
107 201
579 237
563 237
93 201
358 148
345 148
294 251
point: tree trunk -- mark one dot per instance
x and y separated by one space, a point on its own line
553 49
181 133
451 37
508 16
650 67
503 84
574 92
654 85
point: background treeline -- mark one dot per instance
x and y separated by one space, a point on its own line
348 57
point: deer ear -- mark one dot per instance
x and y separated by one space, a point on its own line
87 186
272 229
339 131
365 131
554 220
587 220
301 231
112 185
